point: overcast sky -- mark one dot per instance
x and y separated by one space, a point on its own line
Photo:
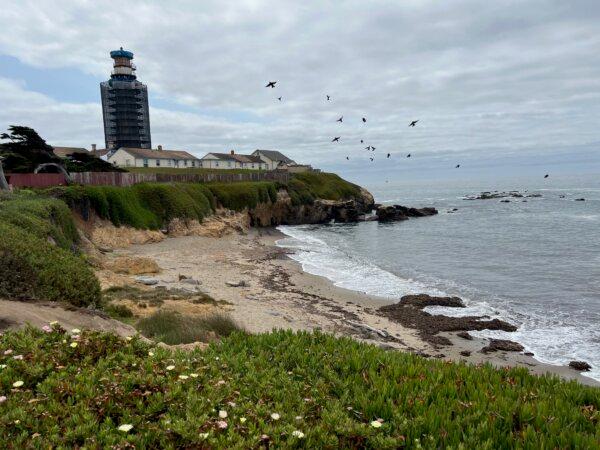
492 82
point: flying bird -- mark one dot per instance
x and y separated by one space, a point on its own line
348 158
362 142
413 123
408 156
457 166
328 98
389 155
271 84
546 176
372 148
368 147
335 139
279 98
364 120
341 119
371 159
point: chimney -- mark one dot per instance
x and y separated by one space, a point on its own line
93 148
160 148
232 152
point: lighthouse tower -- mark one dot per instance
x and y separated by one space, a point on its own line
125 105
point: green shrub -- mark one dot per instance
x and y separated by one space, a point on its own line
238 196
329 389
42 217
33 268
173 328
118 311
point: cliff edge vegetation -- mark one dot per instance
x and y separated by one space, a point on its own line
38 252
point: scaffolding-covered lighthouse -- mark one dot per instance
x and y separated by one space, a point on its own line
125 105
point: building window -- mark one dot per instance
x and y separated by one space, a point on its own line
193 163
216 164
158 163
185 162
253 166
128 162
228 163
169 162
145 162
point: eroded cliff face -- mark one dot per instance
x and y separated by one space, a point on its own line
283 212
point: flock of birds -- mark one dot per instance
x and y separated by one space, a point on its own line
271 84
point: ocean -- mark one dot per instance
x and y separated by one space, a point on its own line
535 264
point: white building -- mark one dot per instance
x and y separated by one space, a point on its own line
142 157
232 160
273 158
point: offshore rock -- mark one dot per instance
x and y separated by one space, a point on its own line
397 212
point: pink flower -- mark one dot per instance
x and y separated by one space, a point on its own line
222 424
2 398
47 328
7 352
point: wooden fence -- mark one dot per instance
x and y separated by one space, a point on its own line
129 178
35 179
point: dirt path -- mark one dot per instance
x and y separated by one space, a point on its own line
38 314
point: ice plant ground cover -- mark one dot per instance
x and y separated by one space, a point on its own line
327 393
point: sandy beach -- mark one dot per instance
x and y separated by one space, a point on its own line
277 293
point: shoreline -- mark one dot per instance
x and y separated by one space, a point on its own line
279 294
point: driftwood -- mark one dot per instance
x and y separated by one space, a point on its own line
60 168
3 182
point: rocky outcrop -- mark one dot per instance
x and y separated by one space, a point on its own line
409 313
580 365
502 345
131 265
284 212
397 212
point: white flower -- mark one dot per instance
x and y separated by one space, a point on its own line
18 357
73 344
376 424
150 353
170 367
299 434
232 404
126 427
18 383
243 420
194 375
183 377
2 366
222 424
222 414
54 322
7 352
75 331
299 417
2 398
275 416
129 338
203 435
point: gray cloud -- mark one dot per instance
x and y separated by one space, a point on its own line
483 77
